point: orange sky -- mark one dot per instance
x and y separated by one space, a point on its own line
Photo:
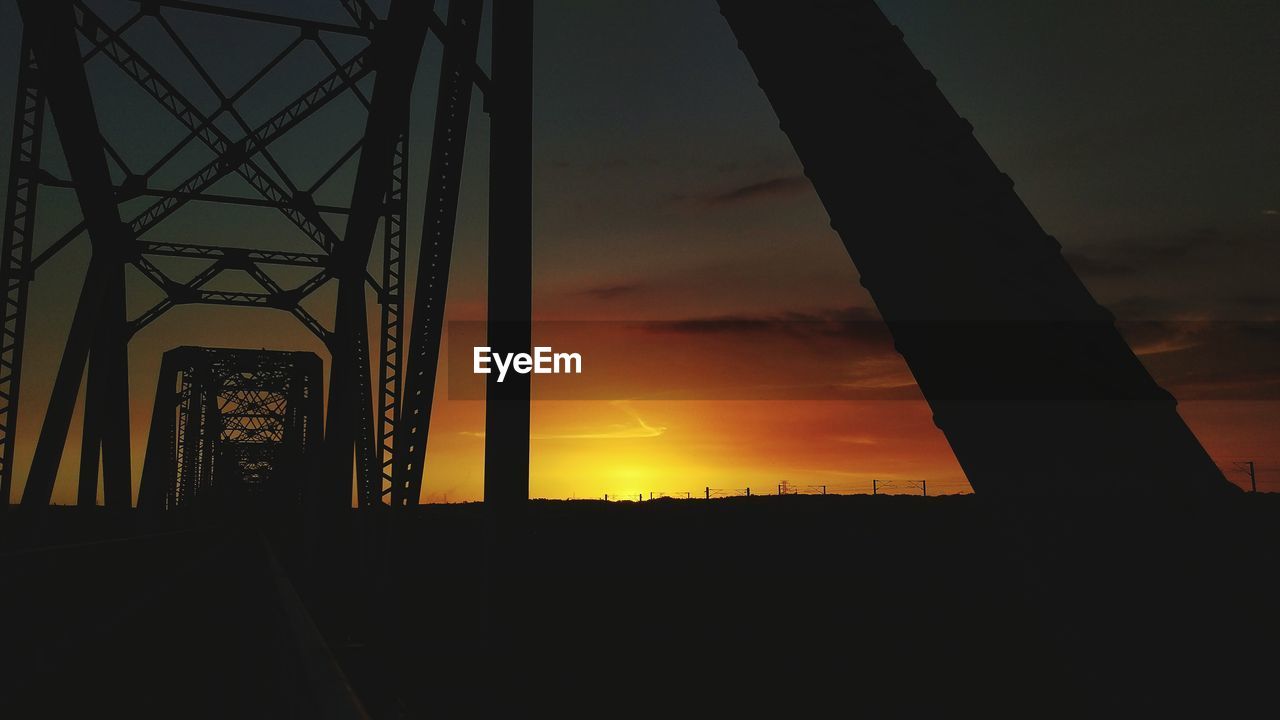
673 406
673 223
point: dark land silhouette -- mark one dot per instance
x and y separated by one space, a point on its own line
803 604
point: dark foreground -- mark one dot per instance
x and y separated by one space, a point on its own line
811 606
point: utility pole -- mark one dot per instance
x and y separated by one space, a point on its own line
924 488
708 493
875 488
1248 466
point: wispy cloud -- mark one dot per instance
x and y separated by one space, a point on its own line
1206 359
849 323
1125 257
1136 254
613 291
636 429
772 188
849 345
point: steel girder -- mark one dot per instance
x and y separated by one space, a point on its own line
349 422
443 182
506 454
228 415
378 444
232 156
15 255
98 321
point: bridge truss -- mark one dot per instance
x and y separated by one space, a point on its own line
230 425
372 58
1028 377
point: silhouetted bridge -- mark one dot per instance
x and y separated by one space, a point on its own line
1034 388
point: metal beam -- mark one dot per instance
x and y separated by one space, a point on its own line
300 23
50 25
349 420
360 11
15 256
444 178
156 489
506 454
232 156
106 422
233 255
1027 376
286 300
391 299
129 192
170 300
277 298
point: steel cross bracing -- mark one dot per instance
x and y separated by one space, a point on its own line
243 417
243 156
443 181
349 424
15 255
392 336
232 157
250 157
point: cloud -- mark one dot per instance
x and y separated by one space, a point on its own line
613 291
850 347
850 323
637 428
1140 307
1210 359
857 440
1134 254
1128 256
782 186
1195 358
1159 337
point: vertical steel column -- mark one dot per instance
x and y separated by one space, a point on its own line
210 414
157 467
188 474
15 256
506 444
444 177
109 359
106 407
396 48
50 25
391 351
308 371
506 458
90 437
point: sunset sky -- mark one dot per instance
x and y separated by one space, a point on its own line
679 249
